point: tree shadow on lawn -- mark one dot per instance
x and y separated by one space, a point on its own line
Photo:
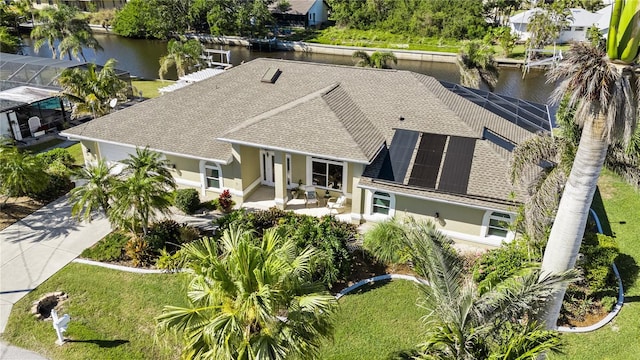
102 343
598 206
406 354
628 268
369 286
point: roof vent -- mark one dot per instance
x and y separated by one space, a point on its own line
271 75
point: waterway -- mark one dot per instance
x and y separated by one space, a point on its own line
140 58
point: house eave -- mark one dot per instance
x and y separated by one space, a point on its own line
278 148
82 137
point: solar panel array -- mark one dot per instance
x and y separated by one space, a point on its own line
441 162
531 116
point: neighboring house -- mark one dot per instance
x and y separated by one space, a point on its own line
83 5
579 22
395 143
301 13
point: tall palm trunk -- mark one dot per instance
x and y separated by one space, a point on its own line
568 228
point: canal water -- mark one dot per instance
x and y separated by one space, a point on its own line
140 58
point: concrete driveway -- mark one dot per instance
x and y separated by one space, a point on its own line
39 245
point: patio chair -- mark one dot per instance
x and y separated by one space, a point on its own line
337 204
310 196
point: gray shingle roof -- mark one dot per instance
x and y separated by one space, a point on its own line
336 111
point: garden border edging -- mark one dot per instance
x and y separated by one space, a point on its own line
119 267
380 278
616 308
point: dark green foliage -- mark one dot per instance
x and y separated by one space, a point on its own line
187 200
326 234
499 264
58 185
144 19
461 19
599 252
57 155
109 248
163 234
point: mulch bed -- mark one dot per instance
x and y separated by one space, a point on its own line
17 209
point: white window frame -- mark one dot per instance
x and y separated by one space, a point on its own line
289 166
488 216
205 178
344 165
369 215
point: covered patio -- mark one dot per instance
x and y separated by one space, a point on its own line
263 198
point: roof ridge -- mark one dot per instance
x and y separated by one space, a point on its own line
265 115
362 131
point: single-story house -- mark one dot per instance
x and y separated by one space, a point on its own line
83 5
301 13
580 21
395 143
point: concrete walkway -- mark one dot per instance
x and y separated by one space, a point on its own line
39 245
10 352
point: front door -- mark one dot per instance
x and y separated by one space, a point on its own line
267 159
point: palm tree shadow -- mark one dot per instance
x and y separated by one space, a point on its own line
628 268
102 343
598 206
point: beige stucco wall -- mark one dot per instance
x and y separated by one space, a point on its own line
456 217
186 169
298 169
250 165
90 150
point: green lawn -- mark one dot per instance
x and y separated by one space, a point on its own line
112 315
619 210
149 88
376 321
76 151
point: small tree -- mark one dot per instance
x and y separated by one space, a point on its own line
506 39
250 299
184 55
378 60
477 65
20 173
95 193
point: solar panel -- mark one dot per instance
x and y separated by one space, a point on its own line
457 165
400 152
428 159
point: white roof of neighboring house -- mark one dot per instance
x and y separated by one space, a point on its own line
27 94
579 17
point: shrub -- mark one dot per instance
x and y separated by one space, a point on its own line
58 184
109 248
383 241
163 234
501 263
138 251
599 252
169 262
188 234
57 155
224 201
187 200
211 205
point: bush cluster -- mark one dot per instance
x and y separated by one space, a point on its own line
109 248
187 200
328 235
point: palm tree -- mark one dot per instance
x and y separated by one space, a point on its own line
556 155
95 193
184 55
143 193
20 173
250 299
604 90
476 64
91 90
78 35
378 60
63 25
465 322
